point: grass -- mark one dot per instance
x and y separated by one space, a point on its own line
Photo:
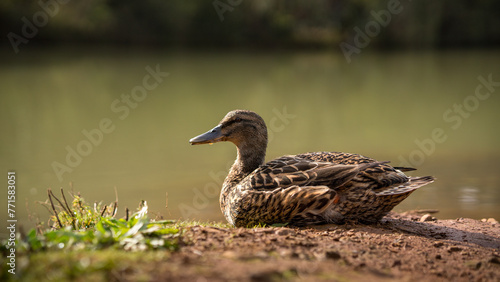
86 242
85 265
82 226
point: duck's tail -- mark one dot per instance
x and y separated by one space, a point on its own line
413 184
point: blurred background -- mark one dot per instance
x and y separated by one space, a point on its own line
107 93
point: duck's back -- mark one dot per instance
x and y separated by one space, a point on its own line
336 157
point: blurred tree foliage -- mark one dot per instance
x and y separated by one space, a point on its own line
257 23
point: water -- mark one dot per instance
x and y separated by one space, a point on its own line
411 108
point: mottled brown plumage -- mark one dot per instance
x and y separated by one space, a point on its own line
310 188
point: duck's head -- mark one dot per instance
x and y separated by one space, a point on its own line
245 129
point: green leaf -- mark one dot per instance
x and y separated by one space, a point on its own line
33 241
100 228
134 229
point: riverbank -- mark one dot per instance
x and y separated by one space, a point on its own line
402 247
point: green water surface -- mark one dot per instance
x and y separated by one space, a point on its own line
105 118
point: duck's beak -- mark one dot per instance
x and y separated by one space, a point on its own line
212 136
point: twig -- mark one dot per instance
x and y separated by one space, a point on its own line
80 203
115 209
39 228
68 210
115 206
126 214
66 202
53 208
426 211
44 204
103 210
60 203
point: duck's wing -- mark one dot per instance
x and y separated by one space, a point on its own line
293 170
336 157
380 177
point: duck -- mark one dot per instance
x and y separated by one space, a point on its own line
306 189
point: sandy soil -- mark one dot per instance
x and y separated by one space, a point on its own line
401 247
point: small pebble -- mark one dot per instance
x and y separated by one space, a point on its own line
454 249
492 220
427 217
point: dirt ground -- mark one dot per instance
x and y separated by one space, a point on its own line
401 247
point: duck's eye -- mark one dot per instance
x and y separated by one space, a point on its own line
237 120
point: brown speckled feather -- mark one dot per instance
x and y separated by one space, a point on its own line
294 170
